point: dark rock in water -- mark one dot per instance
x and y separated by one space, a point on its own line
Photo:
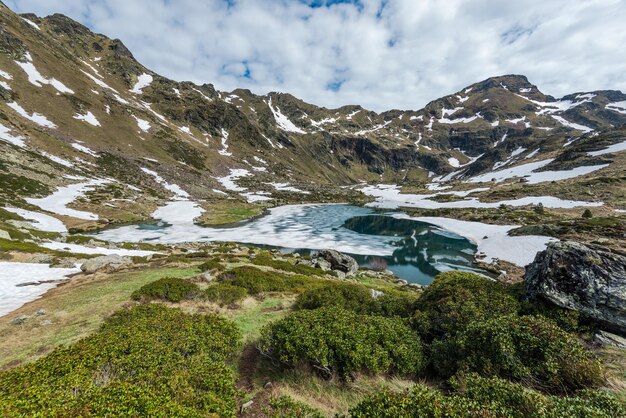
339 261
587 279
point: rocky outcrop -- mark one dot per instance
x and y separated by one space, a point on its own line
588 279
337 261
105 263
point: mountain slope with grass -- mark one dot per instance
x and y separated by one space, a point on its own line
75 103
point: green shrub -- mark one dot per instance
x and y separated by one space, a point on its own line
225 293
527 349
456 299
475 396
349 296
357 298
335 341
257 281
210 265
396 303
285 407
171 289
146 361
265 259
418 402
588 404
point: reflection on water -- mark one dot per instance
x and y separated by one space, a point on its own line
423 250
415 251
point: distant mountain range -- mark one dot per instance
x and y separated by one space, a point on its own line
74 103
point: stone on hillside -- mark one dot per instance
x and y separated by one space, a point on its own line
19 320
40 259
4 234
322 264
105 262
339 261
587 279
606 338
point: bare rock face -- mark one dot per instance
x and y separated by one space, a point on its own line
105 263
588 279
339 262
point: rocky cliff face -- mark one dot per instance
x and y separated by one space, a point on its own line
588 279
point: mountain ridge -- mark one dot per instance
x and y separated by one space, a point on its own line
86 106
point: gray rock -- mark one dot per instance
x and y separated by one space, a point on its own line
606 338
400 281
41 312
375 293
339 261
4 234
105 262
65 263
40 259
322 264
587 279
19 320
246 405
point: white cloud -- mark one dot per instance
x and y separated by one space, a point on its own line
401 55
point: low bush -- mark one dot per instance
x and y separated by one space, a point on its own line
257 281
456 299
265 259
357 298
225 293
146 361
349 296
528 349
418 402
335 341
210 265
475 396
171 289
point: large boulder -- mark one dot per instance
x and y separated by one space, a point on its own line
105 263
339 262
588 279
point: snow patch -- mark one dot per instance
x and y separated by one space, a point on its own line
36 78
620 146
285 187
229 181
572 125
14 276
83 249
7 137
528 172
30 22
619 107
143 81
224 150
88 117
143 124
39 221
179 193
57 202
283 121
38 118
84 149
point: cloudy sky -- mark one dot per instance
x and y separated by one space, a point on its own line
381 54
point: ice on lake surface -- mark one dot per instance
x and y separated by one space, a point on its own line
415 251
